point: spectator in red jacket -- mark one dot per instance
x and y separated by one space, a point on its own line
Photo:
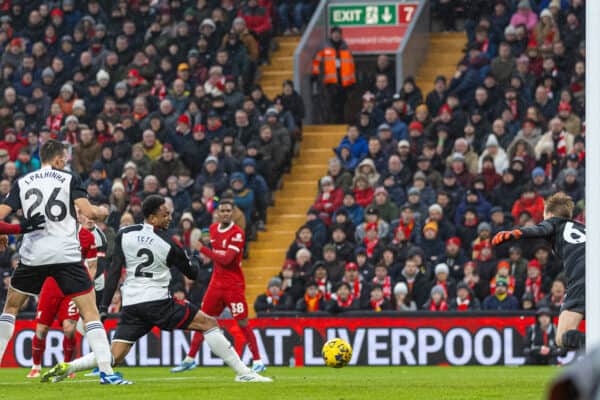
258 20
529 202
11 144
363 192
329 200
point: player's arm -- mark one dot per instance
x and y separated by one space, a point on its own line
12 203
542 230
113 274
79 196
179 259
225 258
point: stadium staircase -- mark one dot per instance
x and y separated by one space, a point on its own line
445 51
267 254
299 190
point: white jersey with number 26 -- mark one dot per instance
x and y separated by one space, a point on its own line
51 192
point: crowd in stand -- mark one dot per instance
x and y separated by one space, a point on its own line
151 97
421 182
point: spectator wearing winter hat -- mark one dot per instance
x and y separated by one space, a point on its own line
464 299
534 283
483 240
524 16
273 299
454 258
431 243
571 185
401 301
571 121
503 272
442 278
501 300
437 300
329 200
493 149
213 174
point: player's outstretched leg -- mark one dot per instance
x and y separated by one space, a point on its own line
189 362
257 364
223 349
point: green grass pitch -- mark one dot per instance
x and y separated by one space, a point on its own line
296 383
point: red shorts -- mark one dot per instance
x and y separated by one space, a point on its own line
54 304
216 299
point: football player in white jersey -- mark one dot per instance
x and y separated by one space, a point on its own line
147 253
54 251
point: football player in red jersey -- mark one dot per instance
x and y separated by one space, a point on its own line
54 304
227 285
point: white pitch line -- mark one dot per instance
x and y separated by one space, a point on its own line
78 381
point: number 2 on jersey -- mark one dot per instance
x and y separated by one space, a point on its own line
51 204
149 261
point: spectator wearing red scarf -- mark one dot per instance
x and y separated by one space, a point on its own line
343 300
353 278
533 283
312 301
464 300
371 240
441 279
383 279
363 192
322 281
406 222
437 301
329 200
378 302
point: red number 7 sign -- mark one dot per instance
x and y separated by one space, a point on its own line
406 13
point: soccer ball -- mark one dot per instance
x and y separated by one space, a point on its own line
336 353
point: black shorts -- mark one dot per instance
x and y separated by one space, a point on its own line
575 298
168 314
73 279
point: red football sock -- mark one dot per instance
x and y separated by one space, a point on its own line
195 345
251 340
37 349
69 345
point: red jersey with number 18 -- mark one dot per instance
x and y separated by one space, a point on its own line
222 240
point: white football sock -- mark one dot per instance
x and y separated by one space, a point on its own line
96 336
7 328
188 359
222 348
83 363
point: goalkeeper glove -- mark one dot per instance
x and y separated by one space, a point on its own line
504 236
34 223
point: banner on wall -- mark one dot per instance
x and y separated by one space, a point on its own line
381 341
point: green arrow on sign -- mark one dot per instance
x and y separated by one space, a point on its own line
358 14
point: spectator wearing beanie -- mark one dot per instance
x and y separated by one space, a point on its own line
475 201
213 174
329 200
273 299
459 170
503 272
501 300
571 185
401 301
359 288
430 242
484 232
437 300
442 279
454 257
464 299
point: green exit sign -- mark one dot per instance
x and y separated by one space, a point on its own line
371 15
